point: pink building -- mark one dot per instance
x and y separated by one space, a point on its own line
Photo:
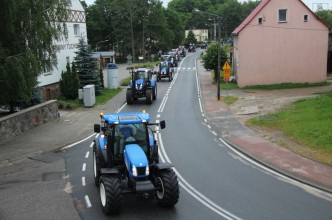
281 41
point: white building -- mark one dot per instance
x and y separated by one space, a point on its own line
200 34
76 25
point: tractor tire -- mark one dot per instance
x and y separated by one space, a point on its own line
154 94
129 97
96 168
110 194
167 193
148 95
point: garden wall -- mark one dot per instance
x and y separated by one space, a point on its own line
24 120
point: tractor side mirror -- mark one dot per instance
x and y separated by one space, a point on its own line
96 128
162 124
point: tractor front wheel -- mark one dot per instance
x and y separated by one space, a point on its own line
167 193
96 168
110 194
154 95
129 96
148 95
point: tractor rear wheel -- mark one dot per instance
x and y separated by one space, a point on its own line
129 96
110 194
167 193
148 95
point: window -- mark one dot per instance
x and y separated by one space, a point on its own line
260 20
305 18
76 29
282 15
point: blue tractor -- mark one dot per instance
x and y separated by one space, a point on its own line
143 84
166 70
126 161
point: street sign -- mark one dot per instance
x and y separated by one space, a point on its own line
227 71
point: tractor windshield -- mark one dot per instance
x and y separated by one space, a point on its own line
141 75
129 134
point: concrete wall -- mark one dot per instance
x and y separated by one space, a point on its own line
22 121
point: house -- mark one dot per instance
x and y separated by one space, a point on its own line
281 41
76 25
200 34
103 58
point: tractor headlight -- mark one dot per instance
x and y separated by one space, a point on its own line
134 170
147 170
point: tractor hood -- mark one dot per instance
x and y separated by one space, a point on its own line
135 158
139 84
164 69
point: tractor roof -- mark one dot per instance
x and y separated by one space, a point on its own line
126 117
142 70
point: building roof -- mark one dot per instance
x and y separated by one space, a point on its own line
104 54
259 7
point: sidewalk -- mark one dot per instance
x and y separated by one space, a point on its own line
225 121
228 123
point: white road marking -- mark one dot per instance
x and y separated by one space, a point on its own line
83 181
87 154
87 201
84 167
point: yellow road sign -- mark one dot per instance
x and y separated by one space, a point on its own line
227 71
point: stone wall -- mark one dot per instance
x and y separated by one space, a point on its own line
16 123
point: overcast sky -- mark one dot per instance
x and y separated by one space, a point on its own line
312 4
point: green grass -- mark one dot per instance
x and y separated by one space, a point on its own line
100 100
308 122
286 86
229 99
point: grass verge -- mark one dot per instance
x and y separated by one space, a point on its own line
100 100
308 123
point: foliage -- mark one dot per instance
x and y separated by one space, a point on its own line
210 58
86 68
325 15
28 32
69 82
145 27
190 39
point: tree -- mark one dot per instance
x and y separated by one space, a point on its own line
325 15
191 39
86 68
69 82
210 58
28 31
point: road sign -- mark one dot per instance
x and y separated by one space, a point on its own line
227 71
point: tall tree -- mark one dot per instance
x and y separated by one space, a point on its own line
29 29
86 68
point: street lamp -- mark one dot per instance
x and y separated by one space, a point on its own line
219 45
100 42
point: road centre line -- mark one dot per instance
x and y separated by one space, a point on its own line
83 180
84 167
87 154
